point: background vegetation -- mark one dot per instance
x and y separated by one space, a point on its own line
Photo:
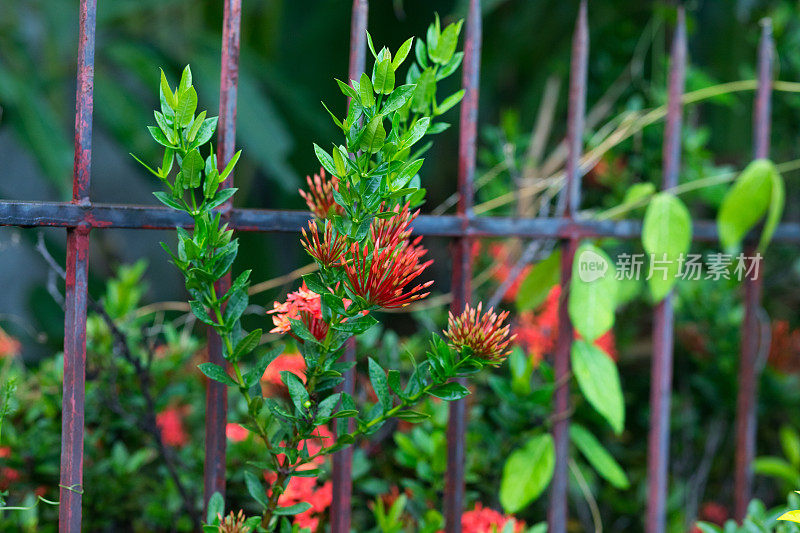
290 53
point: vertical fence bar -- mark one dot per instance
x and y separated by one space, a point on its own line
342 462
76 294
216 394
557 511
461 284
661 370
748 365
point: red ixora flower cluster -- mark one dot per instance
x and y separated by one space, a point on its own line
329 250
485 520
483 333
319 197
382 270
304 305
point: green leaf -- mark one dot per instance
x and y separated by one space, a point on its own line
421 53
200 312
402 53
217 373
598 379
237 303
254 374
598 456
527 472
666 236
592 293
747 201
371 46
451 66
216 508
348 91
377 377
425 91
167 200
255 488
293 509
229 167
221 197
246 345
338 162
790 443
166 91
325 159
186 80
446 46
398 98
206 130
373 137
416 132
776 204
777 468
539 282
406 174
383 76
357 325
191 167
450 391
412 416
365 91
159 137
198 121
297 391
187 105
449 102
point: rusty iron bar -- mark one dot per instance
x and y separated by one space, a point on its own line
746 401
76 293
120 216
570 198
461 277
661 369
217 393
342 461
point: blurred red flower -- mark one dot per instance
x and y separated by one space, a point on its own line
9 346
170 423
235 432
486 520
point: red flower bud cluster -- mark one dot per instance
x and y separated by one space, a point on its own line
483 333
319 197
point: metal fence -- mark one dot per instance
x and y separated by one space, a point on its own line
81 216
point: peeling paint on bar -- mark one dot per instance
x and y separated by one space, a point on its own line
76 292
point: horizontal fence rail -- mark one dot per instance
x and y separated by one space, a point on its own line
123 216
569 225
